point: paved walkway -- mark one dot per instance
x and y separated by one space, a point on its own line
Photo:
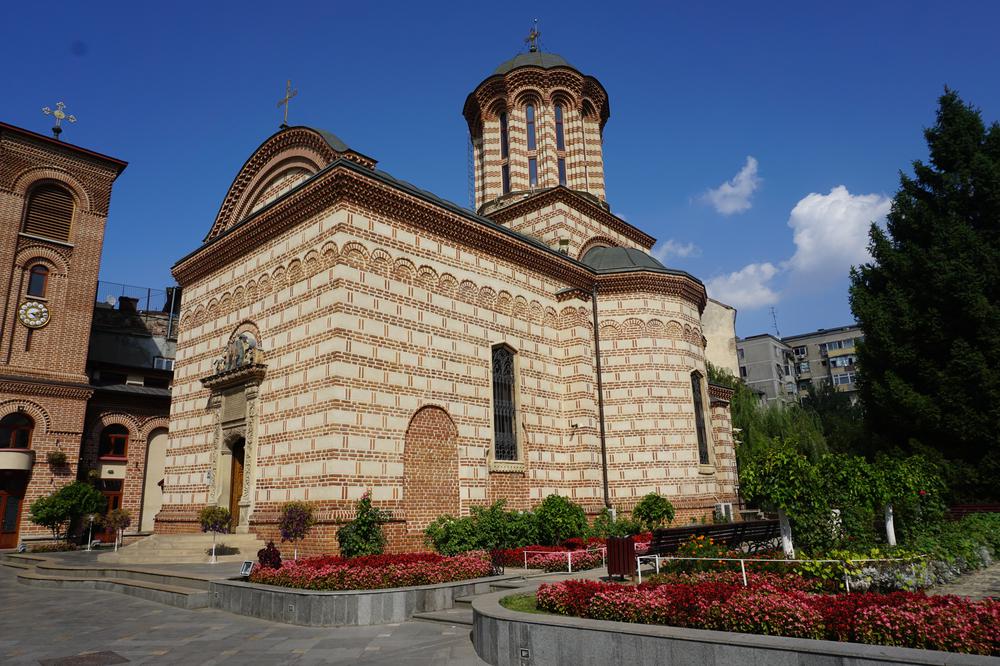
976 585
45 626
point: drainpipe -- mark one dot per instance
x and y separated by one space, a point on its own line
600 401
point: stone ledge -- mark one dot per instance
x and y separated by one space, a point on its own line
316 608
500 636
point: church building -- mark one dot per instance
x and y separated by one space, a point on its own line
343 330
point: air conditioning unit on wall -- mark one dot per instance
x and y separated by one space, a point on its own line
724 512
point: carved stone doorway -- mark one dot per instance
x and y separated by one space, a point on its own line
236 480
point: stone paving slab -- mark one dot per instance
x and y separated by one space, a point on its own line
39 624
976 585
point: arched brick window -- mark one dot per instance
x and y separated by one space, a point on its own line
561 143
49 213
114 442
15 431
529 117
504 404
38 280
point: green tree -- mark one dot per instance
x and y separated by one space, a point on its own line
66 506
841 419
559 518
929 301
653 511
363 535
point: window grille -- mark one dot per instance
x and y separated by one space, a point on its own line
699 418
504 409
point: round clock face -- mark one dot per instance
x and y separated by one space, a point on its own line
33 314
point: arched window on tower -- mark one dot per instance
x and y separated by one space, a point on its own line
561 143
504 406
699 417
38 280
529 116
49 213
15 431
114 442
504 152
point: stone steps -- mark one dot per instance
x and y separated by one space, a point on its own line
171 595
184 549
454 617
152 577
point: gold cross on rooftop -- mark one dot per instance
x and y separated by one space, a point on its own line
289 94
60 115
532 39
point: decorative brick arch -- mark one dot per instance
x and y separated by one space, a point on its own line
115 418
430 468
27 254
153 423
29 178
596 241
35 411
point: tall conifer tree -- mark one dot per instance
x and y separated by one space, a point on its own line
929 302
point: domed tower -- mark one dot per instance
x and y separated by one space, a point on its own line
536 123
536 126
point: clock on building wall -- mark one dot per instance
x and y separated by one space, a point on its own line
33 314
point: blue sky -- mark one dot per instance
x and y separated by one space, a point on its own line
806 111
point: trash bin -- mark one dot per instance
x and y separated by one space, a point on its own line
621 556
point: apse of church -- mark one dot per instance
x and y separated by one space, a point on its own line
343 330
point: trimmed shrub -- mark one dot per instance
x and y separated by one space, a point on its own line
363 535
653 511
559 518
214 519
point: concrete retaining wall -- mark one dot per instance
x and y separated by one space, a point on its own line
351 607
509 638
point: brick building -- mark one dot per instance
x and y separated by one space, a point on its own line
59 419
344 330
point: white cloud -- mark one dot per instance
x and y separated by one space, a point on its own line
747 287
672 248
831 230
734 196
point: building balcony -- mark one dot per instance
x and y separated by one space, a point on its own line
16 460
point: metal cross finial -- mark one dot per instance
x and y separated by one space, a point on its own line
289 94
532 39
60 115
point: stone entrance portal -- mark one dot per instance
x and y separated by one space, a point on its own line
235 388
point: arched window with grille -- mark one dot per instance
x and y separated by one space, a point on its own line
15 431
699 417
49 213
114 442
504 407
529 117
505 152
38 280
561 143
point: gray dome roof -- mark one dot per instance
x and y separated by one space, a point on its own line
332 139
532 59
614 259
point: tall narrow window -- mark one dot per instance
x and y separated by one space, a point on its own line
15 431
562 170
504 142
504 153
699 418
529 114
38 278
532 171
560 134
49 213
504 411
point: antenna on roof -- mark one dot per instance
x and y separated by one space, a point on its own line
774 320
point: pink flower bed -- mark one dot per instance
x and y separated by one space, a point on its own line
373 572
780 605
553 558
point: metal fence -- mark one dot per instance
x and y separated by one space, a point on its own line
162 305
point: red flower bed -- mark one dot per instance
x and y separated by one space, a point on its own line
780 605
373 572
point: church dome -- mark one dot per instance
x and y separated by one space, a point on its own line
532 59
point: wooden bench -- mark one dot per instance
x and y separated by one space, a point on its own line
960 511
756 534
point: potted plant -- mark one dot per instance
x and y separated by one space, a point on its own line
56 458
214 519
296 520
116 520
